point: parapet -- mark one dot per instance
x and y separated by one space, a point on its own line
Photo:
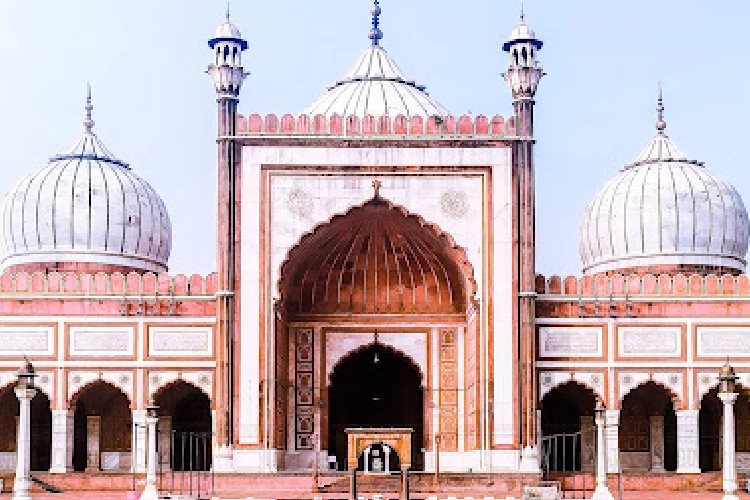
355 126
101 284
663 285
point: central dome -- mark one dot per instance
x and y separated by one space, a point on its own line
665 213
375 86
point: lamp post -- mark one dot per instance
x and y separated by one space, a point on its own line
727 394
149 492
602 490
25 392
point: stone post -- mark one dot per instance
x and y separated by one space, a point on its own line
612 438
657 443
93 435
602 490
149 492
62 441
687 442
587 443
729 465
22 484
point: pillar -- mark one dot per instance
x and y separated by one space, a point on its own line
149 492
657 443
138 459
612 440
587 442
62 441
729 464
602 490
93 434
22 483
687 442
164 427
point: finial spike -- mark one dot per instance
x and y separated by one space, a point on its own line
375 33
661 125
376 186
523 14
227 10
88 123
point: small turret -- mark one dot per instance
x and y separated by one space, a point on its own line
226 71
524 72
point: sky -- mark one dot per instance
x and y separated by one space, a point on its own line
155 108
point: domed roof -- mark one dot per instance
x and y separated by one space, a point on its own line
375 86
85 206
376 258
664 213
228 30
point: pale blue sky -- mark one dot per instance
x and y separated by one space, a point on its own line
155 109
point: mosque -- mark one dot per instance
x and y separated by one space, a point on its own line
375 284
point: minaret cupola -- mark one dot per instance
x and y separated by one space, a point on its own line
524 71
226 70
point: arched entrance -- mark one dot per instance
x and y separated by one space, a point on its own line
710 419
568 428
185 440
102 428
648 429
375 387
41 430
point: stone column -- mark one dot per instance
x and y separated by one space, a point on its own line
62 441
93 435
138 447
165 441
729 464
22 483
687 442
657 443
149 492
587 443
602 491
612 440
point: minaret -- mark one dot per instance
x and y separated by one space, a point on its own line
227 74
523 77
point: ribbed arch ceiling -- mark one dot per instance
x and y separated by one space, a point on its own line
376 258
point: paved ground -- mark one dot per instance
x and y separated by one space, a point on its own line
627 495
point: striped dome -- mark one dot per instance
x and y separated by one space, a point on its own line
85 206
665 212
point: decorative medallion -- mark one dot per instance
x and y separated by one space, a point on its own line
674 379
124 378
204 379
705 379
595 380
547 380
44 379
454 204
300 203
627 380
77 379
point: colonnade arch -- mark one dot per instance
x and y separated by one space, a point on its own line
710 418
185 427
102 427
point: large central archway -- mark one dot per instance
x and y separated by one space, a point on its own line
375 387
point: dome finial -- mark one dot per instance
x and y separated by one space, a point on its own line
523 14
660 123
227 10
88 122
376 34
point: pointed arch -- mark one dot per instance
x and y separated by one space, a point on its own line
376 257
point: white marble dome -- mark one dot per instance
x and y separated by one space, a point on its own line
375 86
664 212
85 206
227 29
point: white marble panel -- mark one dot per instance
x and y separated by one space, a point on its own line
566 341
648 341
180 341
101 341
17 340
720 342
